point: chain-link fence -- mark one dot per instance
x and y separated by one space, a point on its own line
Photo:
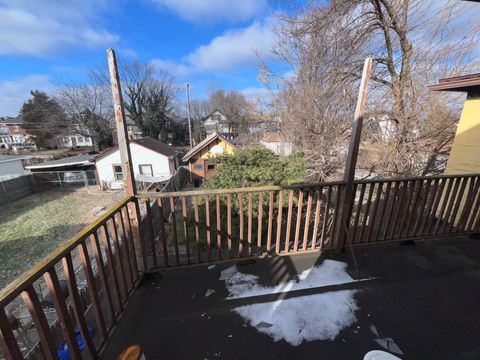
77 178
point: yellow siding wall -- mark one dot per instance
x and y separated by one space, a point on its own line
465 154
229 149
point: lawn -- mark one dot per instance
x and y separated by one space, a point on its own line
31 227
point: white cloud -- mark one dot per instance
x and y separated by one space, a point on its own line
15 92
252 93
46 27
211 11
234 49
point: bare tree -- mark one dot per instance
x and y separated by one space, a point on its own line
233 105
199 109
149 95
89 111
413 42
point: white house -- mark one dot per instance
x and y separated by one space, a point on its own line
77 136
153 162
11 165
277 144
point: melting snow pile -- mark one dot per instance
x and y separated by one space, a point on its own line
298 319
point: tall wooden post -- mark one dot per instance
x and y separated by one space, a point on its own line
349 176
125 154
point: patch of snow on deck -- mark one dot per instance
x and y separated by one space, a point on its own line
302 318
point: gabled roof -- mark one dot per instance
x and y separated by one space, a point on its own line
203 144
82 159
211 112
147 142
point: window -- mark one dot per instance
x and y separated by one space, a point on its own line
211 167
146 169
197 167
117 172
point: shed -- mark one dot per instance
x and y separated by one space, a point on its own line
198 158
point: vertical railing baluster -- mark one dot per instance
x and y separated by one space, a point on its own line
417 186
76 303
219 228
458 201
185 226
391 210
422 208
250 222
299 219
398 206
307 221
126 247
209 228
467 209
326 218
371 190
428 207
173 214
8 342
241 238
288 230
118 254
260 223
102 273
438 197
229 225
270 222
163 233
197 228
132 243
279 222
35 309
110 264
317 218
374 213
376 234
151 235
445 197
357 214
60 305
93 292
336 212
451 202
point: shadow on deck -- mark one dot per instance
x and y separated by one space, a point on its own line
420 299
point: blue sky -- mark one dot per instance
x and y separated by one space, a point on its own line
211 43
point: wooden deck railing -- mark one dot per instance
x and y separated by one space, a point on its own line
213 225
60 307
87 283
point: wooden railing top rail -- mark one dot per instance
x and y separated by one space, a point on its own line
20 284
236 190
289 187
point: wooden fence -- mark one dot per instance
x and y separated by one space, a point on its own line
106 253
213 225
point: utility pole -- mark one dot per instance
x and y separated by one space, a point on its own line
187 85
126 156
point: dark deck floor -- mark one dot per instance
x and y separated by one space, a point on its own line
426 297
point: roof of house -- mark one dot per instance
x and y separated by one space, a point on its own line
6 158
201 145
11 120
146 142
82 159
214 111
457 83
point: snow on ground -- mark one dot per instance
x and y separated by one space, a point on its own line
302 318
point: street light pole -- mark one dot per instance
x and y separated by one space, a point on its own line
188 114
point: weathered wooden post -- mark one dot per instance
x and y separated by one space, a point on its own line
348 196
125 154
